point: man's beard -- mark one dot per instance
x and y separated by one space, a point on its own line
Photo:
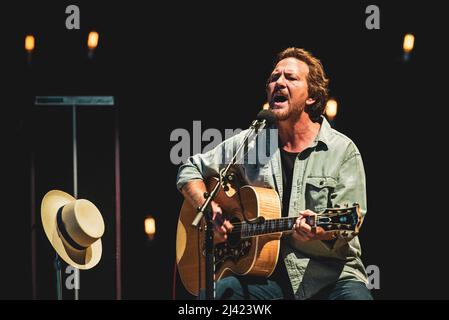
291 114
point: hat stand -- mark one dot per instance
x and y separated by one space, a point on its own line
75 101
57 264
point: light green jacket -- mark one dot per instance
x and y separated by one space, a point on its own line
328 173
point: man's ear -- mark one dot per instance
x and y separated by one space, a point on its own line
310 101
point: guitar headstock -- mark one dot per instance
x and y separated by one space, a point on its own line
340 219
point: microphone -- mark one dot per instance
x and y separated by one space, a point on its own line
264 119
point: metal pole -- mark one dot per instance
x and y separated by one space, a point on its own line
57 264
33 228
75 187
74 101
118 252
75 162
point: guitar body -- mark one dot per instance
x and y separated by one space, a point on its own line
252 246
256 256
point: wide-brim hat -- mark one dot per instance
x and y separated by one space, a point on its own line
74 228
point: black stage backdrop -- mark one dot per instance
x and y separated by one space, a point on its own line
171 64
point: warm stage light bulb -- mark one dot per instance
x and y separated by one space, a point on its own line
331 109
92 40
29 43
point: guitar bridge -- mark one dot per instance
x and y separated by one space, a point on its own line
223 252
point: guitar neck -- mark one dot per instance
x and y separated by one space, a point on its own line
252 229
346 219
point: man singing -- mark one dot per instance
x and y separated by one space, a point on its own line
314 168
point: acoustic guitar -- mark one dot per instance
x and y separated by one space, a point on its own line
252 247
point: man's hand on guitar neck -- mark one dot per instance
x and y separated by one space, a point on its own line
304 232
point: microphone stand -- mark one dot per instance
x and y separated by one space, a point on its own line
206 211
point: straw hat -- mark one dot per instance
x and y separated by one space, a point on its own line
74 228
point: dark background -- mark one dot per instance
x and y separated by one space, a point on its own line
170 64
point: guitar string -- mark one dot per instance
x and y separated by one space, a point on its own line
273 226
283 224
239 226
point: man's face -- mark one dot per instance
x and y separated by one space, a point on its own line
287 89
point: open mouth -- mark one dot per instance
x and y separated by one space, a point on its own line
279 99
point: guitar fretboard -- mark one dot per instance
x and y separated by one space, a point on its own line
268 226
346 220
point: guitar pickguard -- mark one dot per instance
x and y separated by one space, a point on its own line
225 251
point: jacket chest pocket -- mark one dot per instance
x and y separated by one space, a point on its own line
318 193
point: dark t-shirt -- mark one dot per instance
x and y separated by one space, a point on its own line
288 164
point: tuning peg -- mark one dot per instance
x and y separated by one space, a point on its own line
337 206
355 204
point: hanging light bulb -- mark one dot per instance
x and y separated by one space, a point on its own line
408 45
92 43
150 227
331 109
29 47
409 42
29 43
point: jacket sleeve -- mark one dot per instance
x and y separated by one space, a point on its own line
202 166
